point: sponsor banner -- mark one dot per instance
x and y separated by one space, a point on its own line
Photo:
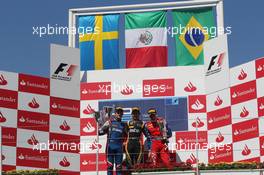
88 127
90 144
218 100
30 139
96 90
189 156
65 125
88 162
158 87
244 111
186 140
243 92
8 167
9 136
8 80
261 106
259 67
260 89
8 117
242 73
254 159
245 150
222 153
216 64
64 161
64 107
62 172
219 118
245 130
197 104
64 72
88 107
197 121
191 84
8 99
33 121
8 155
261 129
261 145
34 84
94 173
220 136
28 168
33 102
64 143
32 158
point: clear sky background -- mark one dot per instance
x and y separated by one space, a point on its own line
23 52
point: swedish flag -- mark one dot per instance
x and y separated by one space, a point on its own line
195 25
99 42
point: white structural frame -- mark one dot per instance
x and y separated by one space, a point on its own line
188 4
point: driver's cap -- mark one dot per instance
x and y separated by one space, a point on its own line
152 111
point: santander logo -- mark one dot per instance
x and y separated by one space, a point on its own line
84 91
212 157
65 162
3 157
190 87
65 126
54 106
88 128
198 123
236 132
197 105
246 151
3 81
218 101
88 110
242 75
33 104
84 162
2 118
95 145
260 68
261 106
127 90
32 140
219 138
21 157
22 83
22 119
244 113
192 159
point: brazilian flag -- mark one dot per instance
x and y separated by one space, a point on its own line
193 30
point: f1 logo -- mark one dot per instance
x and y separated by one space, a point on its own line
220 61
69 71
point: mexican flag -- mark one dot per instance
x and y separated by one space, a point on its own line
193 27
146 39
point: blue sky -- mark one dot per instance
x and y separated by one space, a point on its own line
23 52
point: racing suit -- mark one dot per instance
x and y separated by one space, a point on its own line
134 145
159 136
115 130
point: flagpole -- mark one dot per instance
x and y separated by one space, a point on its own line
73 13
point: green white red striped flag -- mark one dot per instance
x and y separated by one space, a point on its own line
146 39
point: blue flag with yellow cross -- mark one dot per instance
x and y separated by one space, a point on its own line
98 42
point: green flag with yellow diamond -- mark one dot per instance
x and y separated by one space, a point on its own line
193 29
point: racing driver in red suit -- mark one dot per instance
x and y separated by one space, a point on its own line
157 131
